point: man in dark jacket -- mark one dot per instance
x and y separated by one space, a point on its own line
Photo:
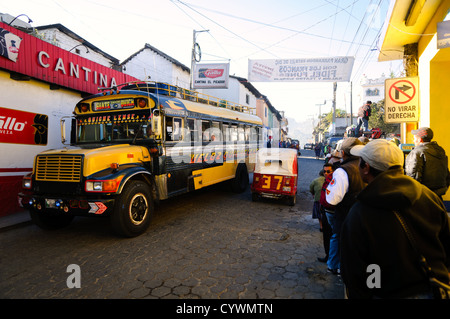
427 162
364 113
373 239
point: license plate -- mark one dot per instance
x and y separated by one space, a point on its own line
50 203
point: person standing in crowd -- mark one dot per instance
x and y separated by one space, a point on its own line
364 113
341 192
327 232
318 150
314 188
427 162
372 235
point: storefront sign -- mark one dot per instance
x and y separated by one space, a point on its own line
9 44
210 76
332 69
19 127
44 61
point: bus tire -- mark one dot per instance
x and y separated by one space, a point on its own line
133 210
50 221
240 182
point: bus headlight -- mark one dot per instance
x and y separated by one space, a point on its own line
26 182
94 186
105 186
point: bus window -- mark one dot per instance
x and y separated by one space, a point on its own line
234 133
254 134
173 128
191 130
247 133
177 132
226 132
241 133
216 133
205 130
169 128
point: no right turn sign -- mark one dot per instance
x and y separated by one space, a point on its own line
401 100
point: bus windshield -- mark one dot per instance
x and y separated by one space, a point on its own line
93 132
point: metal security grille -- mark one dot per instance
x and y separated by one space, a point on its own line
58 168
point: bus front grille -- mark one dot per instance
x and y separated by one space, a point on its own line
59 168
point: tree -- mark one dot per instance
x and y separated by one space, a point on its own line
325 121
377 119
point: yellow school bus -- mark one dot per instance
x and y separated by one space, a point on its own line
138 143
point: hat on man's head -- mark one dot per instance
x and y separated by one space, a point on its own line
348 143
336 153
425 133
379 154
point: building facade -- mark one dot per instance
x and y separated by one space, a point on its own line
411 35
40 83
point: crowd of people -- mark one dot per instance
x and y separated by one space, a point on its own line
322 149
371 203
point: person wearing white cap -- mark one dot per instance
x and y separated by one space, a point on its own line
373 239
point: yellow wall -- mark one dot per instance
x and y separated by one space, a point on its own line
434 76
439 105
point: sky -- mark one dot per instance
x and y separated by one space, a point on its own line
237 30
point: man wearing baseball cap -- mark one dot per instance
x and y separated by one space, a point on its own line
427 162
373 237
341 192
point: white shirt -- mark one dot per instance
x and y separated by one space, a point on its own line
338 187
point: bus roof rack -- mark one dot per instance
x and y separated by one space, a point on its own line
176 91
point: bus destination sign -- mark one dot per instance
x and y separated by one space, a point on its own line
113 105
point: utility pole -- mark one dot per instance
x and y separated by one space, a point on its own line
351 103
333 125
196 54
320 117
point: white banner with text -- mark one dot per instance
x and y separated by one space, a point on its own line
330 69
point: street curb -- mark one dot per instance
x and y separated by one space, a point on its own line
15 220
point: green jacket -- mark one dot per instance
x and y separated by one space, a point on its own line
316 187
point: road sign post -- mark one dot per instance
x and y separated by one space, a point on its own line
402 100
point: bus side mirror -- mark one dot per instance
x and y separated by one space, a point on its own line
63 129
156 124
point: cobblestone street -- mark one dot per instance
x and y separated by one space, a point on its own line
210 244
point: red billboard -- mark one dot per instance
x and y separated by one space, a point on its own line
19 127
28 55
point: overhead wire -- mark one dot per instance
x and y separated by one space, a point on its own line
296 32
221 26
332 30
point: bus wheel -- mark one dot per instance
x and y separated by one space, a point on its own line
50 221
240 182
133 210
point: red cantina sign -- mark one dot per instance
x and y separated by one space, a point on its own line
46 62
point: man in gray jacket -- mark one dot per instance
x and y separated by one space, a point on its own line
427 162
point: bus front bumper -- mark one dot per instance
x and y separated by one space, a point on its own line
66 205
